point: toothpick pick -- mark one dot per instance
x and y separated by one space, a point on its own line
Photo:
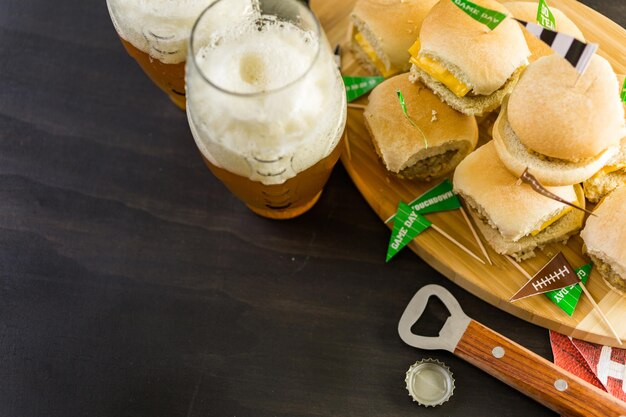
347 145
480 243
356 106
599 311
576 83
596 307
518 266
451 239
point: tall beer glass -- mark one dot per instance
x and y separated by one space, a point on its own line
156 33
266 104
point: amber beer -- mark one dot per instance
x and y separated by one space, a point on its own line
168 77
156 34
266 106
280 201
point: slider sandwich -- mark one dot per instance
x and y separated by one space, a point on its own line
605 238
383 31
527 11
471 67
562 126
427 142
513 218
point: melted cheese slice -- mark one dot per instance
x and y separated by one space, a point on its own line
437 71
551 221
371 54
548 222
612 168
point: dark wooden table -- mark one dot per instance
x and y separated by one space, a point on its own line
133 284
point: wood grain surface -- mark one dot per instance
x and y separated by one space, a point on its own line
132 284
494 284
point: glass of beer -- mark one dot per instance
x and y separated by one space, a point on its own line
266 104
156 33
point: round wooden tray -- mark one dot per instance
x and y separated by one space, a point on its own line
494 284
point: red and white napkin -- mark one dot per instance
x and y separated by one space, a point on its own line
602 366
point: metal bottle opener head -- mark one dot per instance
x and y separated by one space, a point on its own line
452 330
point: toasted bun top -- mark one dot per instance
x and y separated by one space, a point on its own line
394 23
605 233
526 10
513 207
396 138
482 58
555 115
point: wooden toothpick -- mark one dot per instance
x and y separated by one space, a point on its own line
595 305
451 239
518 267
356 106
480 243
600 313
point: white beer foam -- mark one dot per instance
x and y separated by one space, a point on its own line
265 137
161 28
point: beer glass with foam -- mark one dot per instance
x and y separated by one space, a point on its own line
156 33
266 104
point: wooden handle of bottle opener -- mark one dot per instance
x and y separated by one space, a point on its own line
534 376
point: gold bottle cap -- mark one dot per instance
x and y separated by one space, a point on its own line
429 382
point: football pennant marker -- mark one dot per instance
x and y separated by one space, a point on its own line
545 16
530 179
567 298
556 274
488 17
358 86
595 305
576 52
439 198
442 198
406 226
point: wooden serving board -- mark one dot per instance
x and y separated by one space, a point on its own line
494 284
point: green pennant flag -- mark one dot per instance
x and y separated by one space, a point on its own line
567 298
357 86
406 226
544 16
439 198
623 94
487 17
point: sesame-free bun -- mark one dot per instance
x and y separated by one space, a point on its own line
527 11
605 238
553 172
506 211
391 27
555 113
401 146
483 59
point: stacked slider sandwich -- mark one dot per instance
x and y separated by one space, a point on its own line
471 67
383 31
511 216
561 126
